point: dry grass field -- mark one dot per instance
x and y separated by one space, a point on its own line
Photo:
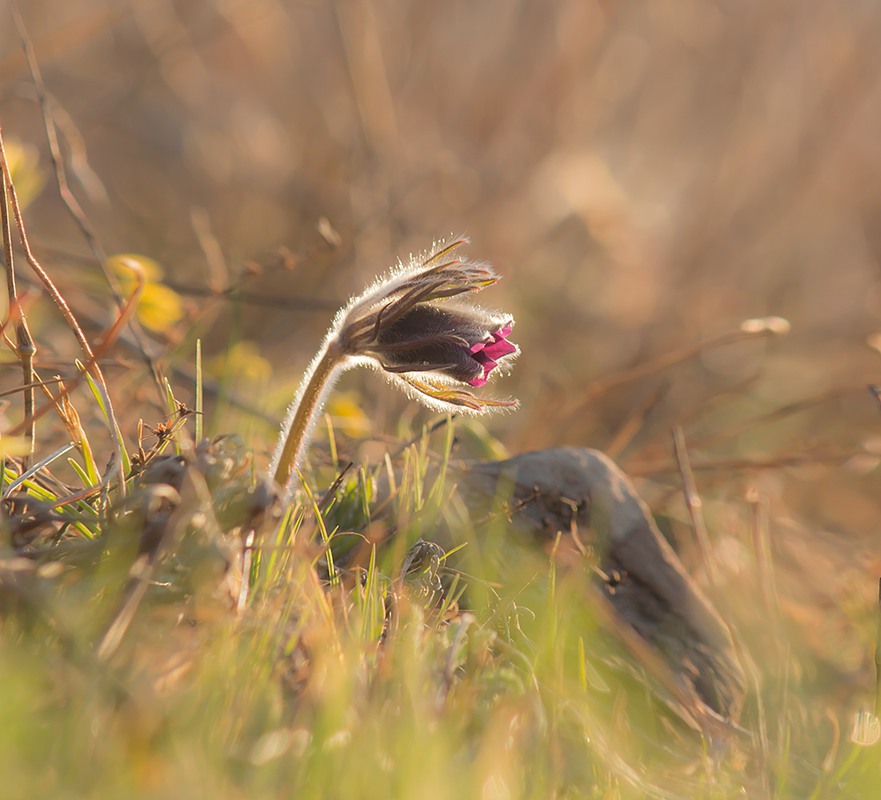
684 201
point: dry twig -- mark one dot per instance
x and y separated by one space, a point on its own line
695 505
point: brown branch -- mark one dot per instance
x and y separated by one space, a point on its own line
68 197
662 467
878 657
603 386
51 129
695 506
105 343
56 296
735 432
762 552
25 348
635 422
33 385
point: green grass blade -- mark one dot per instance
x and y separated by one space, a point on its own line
199 391
41 464
98 394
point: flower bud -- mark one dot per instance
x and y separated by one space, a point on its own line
415 326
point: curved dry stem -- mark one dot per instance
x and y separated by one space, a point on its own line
50 287
25 348
67 196
106 341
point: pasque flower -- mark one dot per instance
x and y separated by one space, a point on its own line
456 342
416 326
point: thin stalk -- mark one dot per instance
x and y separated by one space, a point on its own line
69 199
25 347
695 506
60 302
301 416
200 406
878 658
762 548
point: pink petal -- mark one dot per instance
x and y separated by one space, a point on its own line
483 357
499 349
488 353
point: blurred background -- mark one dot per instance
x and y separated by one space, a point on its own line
646 176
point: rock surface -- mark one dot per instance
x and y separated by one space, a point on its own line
581 492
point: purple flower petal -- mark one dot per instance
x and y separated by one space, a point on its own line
483 357
488 354
499 349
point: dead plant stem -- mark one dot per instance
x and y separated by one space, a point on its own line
50 287
878 657
68 197
24 347
695 505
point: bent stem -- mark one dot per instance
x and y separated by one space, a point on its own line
301 416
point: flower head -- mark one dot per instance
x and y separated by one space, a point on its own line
415 325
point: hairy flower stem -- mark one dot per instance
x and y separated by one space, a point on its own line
301 416
415 325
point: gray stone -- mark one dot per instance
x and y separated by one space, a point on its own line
581 492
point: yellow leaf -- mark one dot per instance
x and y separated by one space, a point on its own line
24 169
159 307
14 446
121 266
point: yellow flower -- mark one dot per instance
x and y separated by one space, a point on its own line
159 307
